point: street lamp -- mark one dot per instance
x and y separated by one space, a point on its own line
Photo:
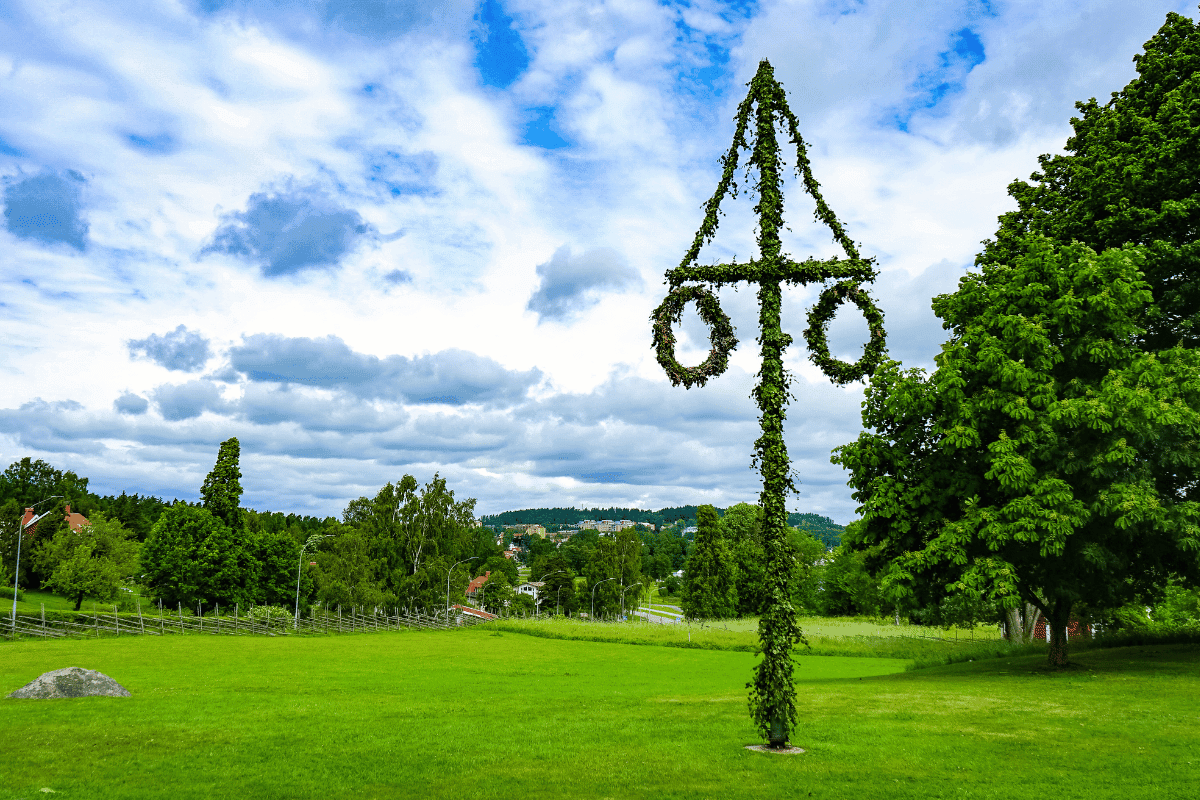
606 580
452 566
17 573
312 542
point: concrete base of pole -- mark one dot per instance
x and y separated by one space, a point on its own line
781 751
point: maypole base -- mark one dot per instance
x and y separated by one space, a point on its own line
786 750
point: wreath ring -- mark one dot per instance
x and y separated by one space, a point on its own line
819 317
720 335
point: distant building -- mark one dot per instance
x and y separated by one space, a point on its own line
606 525
467 611
532 589
476 584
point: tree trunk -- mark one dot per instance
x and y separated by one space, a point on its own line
1057 620
79 601
1021 623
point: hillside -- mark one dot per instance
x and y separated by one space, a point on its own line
820 527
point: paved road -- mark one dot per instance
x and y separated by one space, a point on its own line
658 616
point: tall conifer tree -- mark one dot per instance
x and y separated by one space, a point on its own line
710 580
222 490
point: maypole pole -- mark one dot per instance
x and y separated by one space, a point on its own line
772 692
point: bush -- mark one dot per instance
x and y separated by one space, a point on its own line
277 616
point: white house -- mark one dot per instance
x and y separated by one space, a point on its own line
532 589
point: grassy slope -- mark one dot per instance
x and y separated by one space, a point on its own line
826 637
473 714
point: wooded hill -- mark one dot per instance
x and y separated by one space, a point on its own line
822 528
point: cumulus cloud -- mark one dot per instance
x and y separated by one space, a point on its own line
181 349
46 208
131 404
570 284
290 231
187 400
450 377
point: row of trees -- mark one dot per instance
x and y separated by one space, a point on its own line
726 576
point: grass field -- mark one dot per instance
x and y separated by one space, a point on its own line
481 713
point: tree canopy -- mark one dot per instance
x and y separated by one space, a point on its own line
1128 176
90 562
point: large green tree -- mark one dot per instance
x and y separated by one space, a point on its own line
1026 469
396 548
191 557
741 528
221 492
90 562
710 579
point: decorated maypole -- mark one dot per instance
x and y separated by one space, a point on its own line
772 692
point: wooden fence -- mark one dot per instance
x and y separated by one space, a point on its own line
323 622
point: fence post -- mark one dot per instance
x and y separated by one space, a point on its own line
141 622
96 620
117 620
179 603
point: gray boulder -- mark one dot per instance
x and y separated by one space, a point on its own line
71 682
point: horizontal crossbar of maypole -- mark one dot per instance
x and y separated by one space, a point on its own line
786 271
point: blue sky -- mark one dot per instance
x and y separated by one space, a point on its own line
374 237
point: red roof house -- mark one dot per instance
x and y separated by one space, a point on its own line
74 520
477 583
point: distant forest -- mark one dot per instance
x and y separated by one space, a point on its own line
822 528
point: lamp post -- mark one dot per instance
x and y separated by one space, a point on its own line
606 580
452 566
312 542
537 604
17 572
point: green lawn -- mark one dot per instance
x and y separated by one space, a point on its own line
473 714
31 602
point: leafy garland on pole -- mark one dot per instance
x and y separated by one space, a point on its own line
772 692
